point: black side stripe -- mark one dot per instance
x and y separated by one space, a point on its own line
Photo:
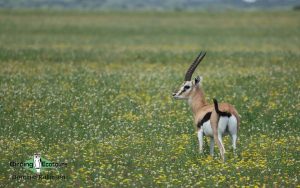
204 119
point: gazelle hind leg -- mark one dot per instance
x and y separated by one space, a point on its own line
222 125
232 127
218 125
220 146
234 138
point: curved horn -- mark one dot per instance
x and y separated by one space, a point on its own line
190 71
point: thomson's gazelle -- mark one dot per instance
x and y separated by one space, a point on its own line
213 120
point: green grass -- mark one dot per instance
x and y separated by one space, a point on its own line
94 90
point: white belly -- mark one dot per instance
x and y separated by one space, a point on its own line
207 128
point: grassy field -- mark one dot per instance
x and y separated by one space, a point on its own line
94 90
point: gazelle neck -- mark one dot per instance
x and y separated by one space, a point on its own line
197 100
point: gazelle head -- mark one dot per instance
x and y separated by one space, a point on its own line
186 89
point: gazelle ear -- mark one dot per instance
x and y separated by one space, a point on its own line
198 79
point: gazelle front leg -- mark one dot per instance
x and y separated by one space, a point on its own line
212 145
200 139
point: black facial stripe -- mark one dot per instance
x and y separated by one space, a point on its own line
186 87
182 91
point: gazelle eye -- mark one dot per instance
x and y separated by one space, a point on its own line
187 87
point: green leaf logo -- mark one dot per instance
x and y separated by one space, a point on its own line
40 167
